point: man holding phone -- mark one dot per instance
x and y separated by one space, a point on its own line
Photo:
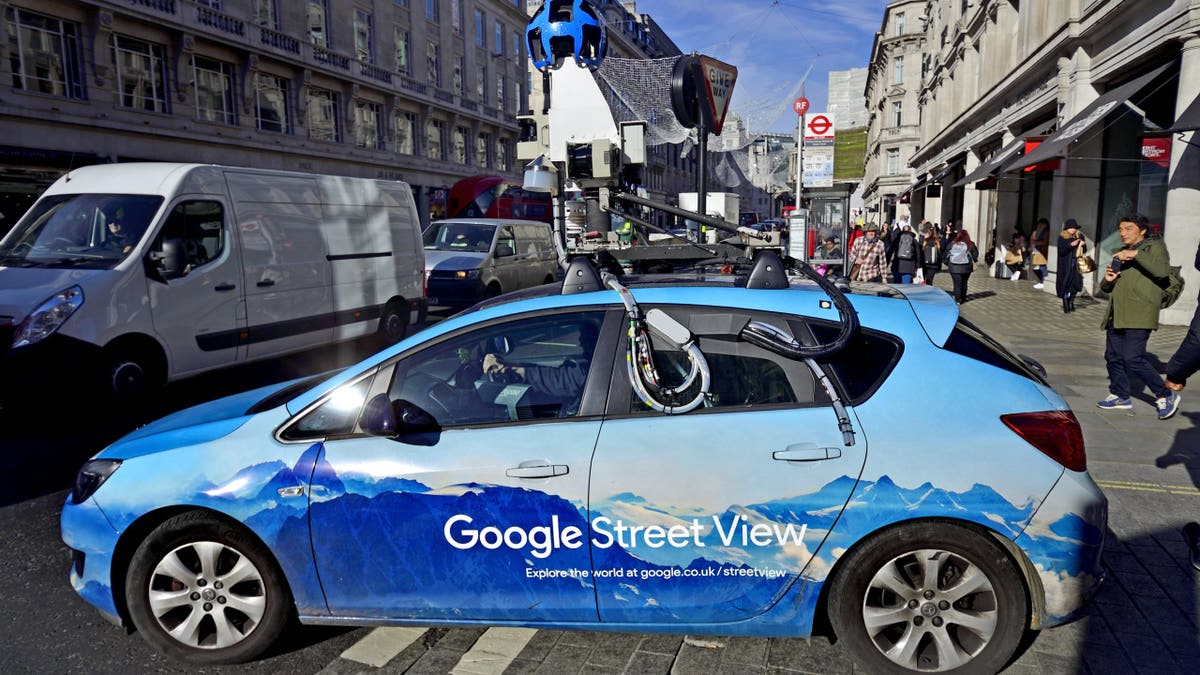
1134 297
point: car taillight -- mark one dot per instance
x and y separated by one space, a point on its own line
1054 432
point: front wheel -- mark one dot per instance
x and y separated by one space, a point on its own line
207 592
393 323
930 597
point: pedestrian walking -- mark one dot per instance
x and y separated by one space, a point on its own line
868 258
1039 249
960 258
931 252
1133 304
1186 360
1014 257
1069 281
907 255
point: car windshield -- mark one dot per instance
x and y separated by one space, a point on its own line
81 230
459 237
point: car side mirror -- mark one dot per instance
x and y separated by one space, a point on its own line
399 419
503 250
170 260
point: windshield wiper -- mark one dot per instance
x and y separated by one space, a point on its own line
75 260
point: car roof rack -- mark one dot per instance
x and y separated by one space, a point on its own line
768 272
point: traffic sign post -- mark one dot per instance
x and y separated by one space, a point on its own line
800 105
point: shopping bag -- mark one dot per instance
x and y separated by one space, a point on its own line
919 277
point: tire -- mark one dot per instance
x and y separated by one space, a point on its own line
393 323
130 377
935 625
493 290
187 609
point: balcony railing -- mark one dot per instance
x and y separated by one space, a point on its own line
412 85
273 38
443 96
166 6
468 105
375 72
219 21
331 58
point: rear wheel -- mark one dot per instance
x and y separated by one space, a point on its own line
204 591
930 597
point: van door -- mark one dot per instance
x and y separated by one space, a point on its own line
198 311
289 297
506 259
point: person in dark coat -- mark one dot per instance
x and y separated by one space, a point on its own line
931 252
1069 281
906 255
960 258
1186 360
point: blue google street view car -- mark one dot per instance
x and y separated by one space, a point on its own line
697 454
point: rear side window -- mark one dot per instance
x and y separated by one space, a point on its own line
969 341
863 365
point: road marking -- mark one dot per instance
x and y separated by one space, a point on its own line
1148 487
382 645
493 651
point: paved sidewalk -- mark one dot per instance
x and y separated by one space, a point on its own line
1145 617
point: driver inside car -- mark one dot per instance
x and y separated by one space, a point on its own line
563 381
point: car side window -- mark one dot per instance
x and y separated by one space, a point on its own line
528 369
199 225
506 238
865 362
336 415
742 375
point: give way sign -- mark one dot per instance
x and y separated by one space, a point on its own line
718 85
819 127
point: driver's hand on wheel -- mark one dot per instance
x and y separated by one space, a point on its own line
492 364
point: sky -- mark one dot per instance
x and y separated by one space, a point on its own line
772 43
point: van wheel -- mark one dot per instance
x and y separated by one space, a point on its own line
130 376
548 280
493 290
204 591
393 323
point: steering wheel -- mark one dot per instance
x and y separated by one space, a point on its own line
443 397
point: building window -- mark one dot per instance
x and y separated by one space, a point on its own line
364 37
270 103
481 84
141 82
405 127
433 60
897 70
498 42
401 50
460 145
214 90
945 35
893 161
456 8
482 143
899 23
480 29
318 32
323 123
897 113
368 132
431 10
516 44
44 53
502 154
435 139
459 66
266 14
500 101
963 6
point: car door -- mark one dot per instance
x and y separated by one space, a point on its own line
486 519
199 312
711 515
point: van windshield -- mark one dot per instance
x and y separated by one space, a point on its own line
459 237
82 230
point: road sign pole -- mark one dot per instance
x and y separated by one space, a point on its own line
702 179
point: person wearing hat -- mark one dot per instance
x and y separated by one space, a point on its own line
1069 281
868 257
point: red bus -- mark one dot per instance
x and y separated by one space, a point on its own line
497 197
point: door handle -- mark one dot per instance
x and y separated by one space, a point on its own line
265 282
537 471
805 452
224 287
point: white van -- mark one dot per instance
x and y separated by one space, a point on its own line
147 273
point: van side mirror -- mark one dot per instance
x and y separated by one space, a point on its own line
400 420
503 250
170 260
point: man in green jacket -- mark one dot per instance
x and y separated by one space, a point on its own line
1134 296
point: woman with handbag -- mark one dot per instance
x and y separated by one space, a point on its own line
960 260
1039 244
1072 261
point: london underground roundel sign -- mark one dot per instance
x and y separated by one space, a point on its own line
819 125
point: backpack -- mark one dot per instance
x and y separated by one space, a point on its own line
959 255
1173 288
907 248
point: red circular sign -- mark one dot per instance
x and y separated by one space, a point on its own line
819 125
800 105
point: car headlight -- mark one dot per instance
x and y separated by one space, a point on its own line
48 316
91 476
466 274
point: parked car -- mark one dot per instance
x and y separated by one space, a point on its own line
134 275
510 465
468 259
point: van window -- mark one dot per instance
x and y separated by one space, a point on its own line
475 237
81 230
507 238
200 226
